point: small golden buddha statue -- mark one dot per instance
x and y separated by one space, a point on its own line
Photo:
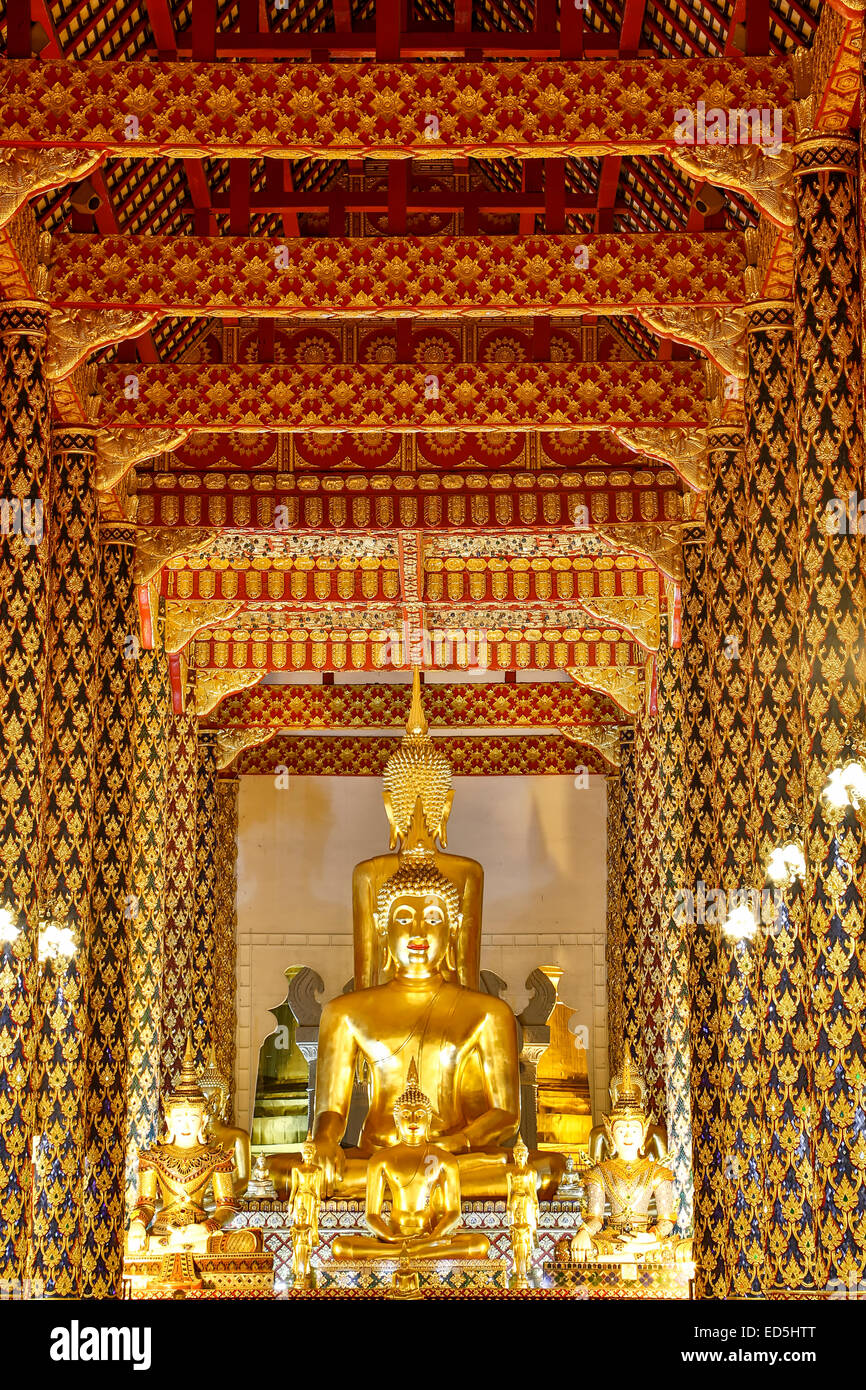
417 774
628 1182
465 1043
233 1139
423 1182
522 1204
306 1195
657 1138
174 1177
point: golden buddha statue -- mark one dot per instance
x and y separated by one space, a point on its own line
656 1143
423 1183
418 772
233 1139
628 1182
522 1205
465 1043
306 1196
174 1177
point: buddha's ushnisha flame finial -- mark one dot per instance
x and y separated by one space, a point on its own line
629 1100
413 1095
416 724
187 1087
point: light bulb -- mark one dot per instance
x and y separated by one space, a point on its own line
740 923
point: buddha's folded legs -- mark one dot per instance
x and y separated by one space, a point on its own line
481 1174
463 1245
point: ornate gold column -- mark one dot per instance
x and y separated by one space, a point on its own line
147 897
632 1014
785 1061
674 931
24 467
650 1049
703 935
202 943
71 695
103 1211
225 929
828 391
737 1206
614 949
180 888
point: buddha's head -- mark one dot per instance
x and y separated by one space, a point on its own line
215 1087
521 1153
308 1149
417 773
186 1106
413 1111
418 917
628 1123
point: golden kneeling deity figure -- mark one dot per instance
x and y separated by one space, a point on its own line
628 1182
306 1195
522 1203
423 1182
418 795
464 1042
174 1177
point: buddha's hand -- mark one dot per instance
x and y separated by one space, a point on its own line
581 1244
331 1159
137 1238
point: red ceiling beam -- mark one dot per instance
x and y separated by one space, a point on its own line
427 43
631 28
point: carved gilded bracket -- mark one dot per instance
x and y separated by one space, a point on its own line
183 619
604 740
720 333
661 544
763 173
231 742
684 449
212 686
26 172
118 450
625 685
73 334
159 544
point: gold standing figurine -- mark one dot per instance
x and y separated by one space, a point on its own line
628 1182
304 1200
522 1202
423 1183
174 1177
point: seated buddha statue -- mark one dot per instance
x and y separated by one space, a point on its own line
656 1143
234 1140
628 1182
417 772
174 1177
422 1182
464 1043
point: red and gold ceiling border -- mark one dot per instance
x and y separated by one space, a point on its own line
488 755
342 110
435 501
524 396
463 705
539 648
426 277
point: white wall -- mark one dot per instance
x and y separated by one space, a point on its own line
541 841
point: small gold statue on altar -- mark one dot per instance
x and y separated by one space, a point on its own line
423 1181
628 1182
522 1203
304 1201
174 1177
217 1128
